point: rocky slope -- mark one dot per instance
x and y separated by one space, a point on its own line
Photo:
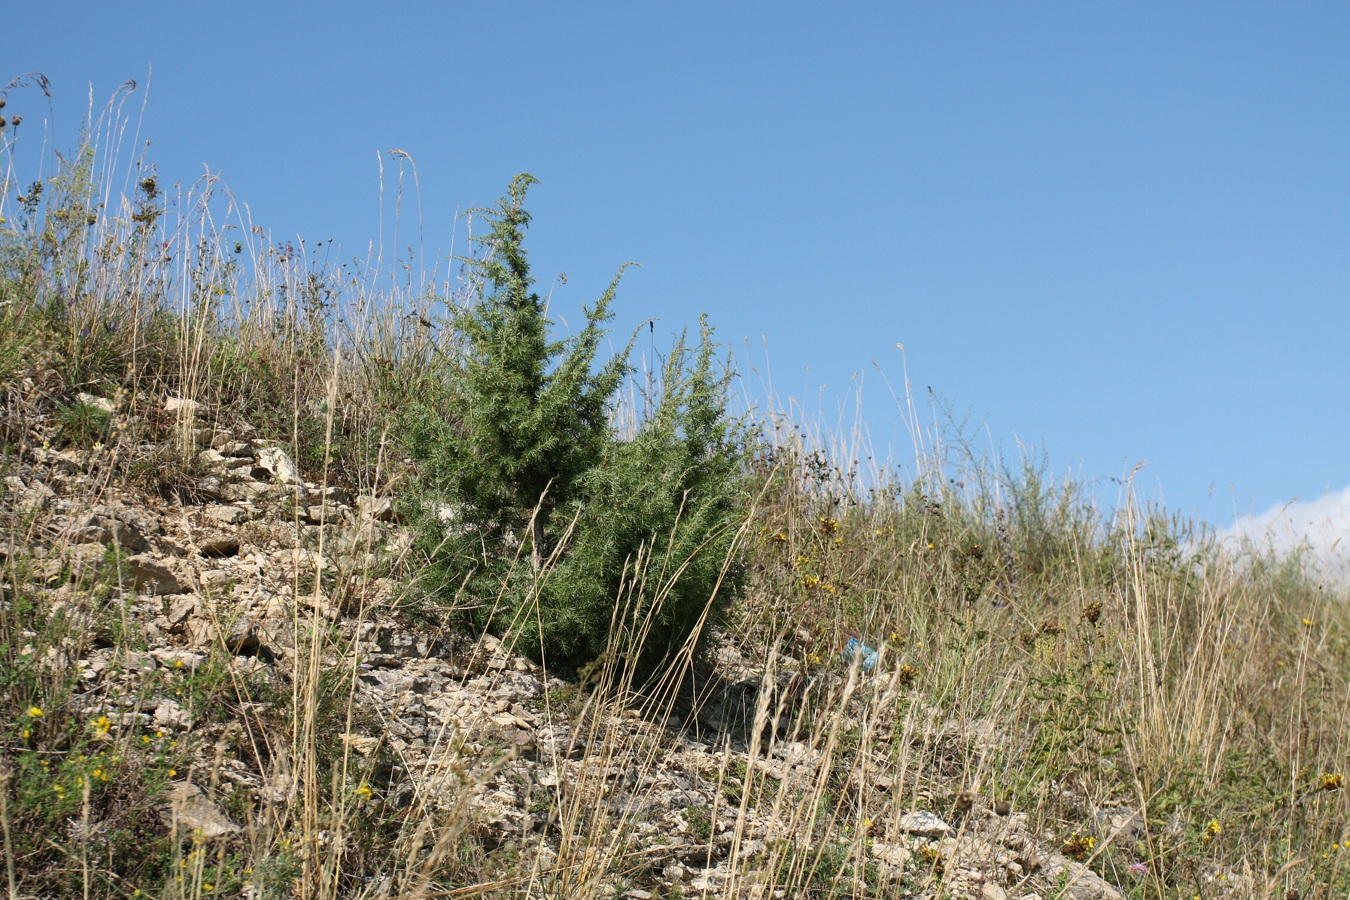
252 561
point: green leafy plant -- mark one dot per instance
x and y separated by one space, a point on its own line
81 424
533 469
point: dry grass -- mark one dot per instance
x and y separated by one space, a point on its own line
1033 650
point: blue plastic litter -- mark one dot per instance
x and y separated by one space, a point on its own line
855 649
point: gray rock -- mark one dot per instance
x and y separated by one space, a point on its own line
225 514
169 715
189 810
151 576
403 644
99 403
62 461
178 613
378 509
1121 821
891 854
1080 882
335 494
29 497
212 459
181 405
127 529
216 544
242 638
275 462
244 490
228 446
212 487
924 824
178 660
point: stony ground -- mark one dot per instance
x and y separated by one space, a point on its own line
252 555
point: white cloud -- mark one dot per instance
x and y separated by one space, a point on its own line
1323 524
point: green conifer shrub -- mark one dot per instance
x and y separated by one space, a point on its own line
535 518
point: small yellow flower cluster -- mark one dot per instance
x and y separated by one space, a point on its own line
1211 830
33 713
1333 782
811 581
100 727
828 525
1079 846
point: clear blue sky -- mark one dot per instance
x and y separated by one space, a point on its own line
1120 232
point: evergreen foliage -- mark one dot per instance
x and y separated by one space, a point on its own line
519 460
656 527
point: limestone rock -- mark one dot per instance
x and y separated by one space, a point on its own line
378 509
273 461
225 514
102 404
924 824
170 715
189 810
150 576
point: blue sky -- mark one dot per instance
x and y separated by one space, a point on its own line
1120 233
